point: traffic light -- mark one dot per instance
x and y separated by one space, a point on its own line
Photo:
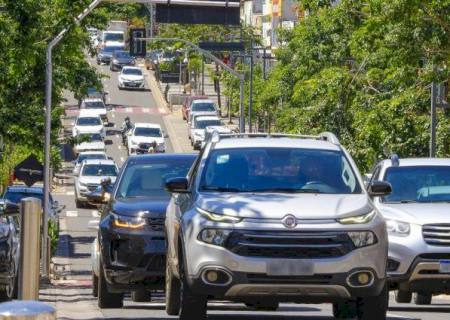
138 48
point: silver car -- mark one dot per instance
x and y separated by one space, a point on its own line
263 219
418 224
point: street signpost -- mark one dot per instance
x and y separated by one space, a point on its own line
137 48
29 171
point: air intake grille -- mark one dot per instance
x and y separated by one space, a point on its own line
436 234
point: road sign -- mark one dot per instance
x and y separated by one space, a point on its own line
222 46
138 48
198 14
29 171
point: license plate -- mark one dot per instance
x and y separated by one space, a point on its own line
290 268
444 266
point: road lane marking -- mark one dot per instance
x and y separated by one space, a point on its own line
128 110
113 115
119 147
95 213
117 136
122 159
70 193
71 213
146 110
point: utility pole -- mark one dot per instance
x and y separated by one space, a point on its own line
203 76
433 120
250 98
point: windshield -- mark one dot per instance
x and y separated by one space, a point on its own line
83 157
135 72
147 180
201 106
285 170
16 197
100 170
114 37
89 121
90 137
202 124
122 54
112 48
94 105
418 184
147 132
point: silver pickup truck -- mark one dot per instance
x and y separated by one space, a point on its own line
417 214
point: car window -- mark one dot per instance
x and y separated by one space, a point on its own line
147 180
202 124
89 121
122 54
201 106
134 72
147 132
94 105
418 184
113 37
99 170
279 169
16 197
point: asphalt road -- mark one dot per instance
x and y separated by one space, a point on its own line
141 106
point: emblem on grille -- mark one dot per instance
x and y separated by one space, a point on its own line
289 221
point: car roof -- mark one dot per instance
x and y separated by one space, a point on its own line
131 68
282 142
202 101
92 99
147 125
99 161
204 118
24 189
113 31
88 113
93 152
410 162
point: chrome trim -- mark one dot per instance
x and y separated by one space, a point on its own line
288 290
362 286
428 266
230 277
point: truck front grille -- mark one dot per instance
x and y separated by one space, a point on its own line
436 234
290 245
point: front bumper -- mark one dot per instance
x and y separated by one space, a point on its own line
414 265
251 276
132 84
133 259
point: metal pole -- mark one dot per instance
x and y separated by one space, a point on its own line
203 76
151 20
433 120
30 210
264 63
241 107
27 310
250 98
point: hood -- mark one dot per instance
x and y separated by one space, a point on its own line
130 77
89 129
220 129
417 213
86 146
147 139
97 111
95 180
278 205
154 207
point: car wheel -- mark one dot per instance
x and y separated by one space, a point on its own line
345 310
141 296
374 308
422 299
402 296
191 306
78 203
263 305
7 291
107 299
172 292
94 285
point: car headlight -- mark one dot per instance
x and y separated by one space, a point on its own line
218 217
128 222
398 228
362 238
217 237
362 219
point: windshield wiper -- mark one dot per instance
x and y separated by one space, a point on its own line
403 201
221 189
286 190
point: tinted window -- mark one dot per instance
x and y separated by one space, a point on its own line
418 184
147 132
122 54
89 121
113 37
135 72
112 48
278 170
94 105
200 106
202 124
83 157
16 197
148 179
99 170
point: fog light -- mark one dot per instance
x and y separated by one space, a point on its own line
360 279
363 278
212 276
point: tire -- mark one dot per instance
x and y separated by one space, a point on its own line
7 292
263 305
107 299
422 299
172 292
191 306
141 296
374 308
402 296
78 203
94 285
345 310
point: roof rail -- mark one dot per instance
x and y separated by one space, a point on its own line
326 136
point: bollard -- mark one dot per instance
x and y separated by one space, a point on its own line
31 211
26 310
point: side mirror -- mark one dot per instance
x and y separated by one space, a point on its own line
9 208
379 188
177 185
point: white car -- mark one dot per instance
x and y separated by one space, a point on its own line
96 106
88 122
113 38
87 155
131 77
90 142
198 126
91 174
141 138
203 106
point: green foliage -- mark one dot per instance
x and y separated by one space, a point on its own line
53 234
362 70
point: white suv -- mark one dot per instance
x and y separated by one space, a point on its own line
145 136
96 106
88 122
265 218
418 223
